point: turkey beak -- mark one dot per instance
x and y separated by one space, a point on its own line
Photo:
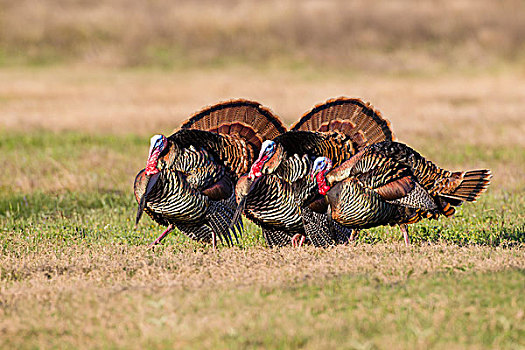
244 189
149 186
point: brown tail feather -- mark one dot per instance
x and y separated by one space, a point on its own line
243 118
350 116
242 125
472 185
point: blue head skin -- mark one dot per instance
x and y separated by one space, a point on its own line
320 164
157 144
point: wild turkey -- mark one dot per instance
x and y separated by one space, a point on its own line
390 183
190 176
275 192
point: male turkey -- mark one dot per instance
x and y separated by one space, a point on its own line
190 176
275 192
390 183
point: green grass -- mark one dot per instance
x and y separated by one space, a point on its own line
109 217
75 272
360 312
53 162
458 154
97 201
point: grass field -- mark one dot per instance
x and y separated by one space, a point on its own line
81 92
75 273
380 35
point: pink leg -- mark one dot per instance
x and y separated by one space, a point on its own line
354 235
214 240
298 240
404 229
161 237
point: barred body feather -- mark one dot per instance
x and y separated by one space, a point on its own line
390 183
190 179
281 199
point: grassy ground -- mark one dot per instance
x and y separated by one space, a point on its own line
437 296
74 272
71 177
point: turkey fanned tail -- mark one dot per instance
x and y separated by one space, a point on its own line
471 185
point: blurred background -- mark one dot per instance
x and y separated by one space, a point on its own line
375 36
106 63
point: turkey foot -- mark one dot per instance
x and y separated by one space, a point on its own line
298 240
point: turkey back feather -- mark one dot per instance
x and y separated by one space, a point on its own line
232 130
337 129
350 116
245 119
332 145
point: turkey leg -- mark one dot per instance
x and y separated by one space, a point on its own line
404 229
161 237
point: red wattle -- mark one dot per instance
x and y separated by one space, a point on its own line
151 165
323 190
321 183
255 171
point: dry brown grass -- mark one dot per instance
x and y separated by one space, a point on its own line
128 297
485 110
72 268
362 35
